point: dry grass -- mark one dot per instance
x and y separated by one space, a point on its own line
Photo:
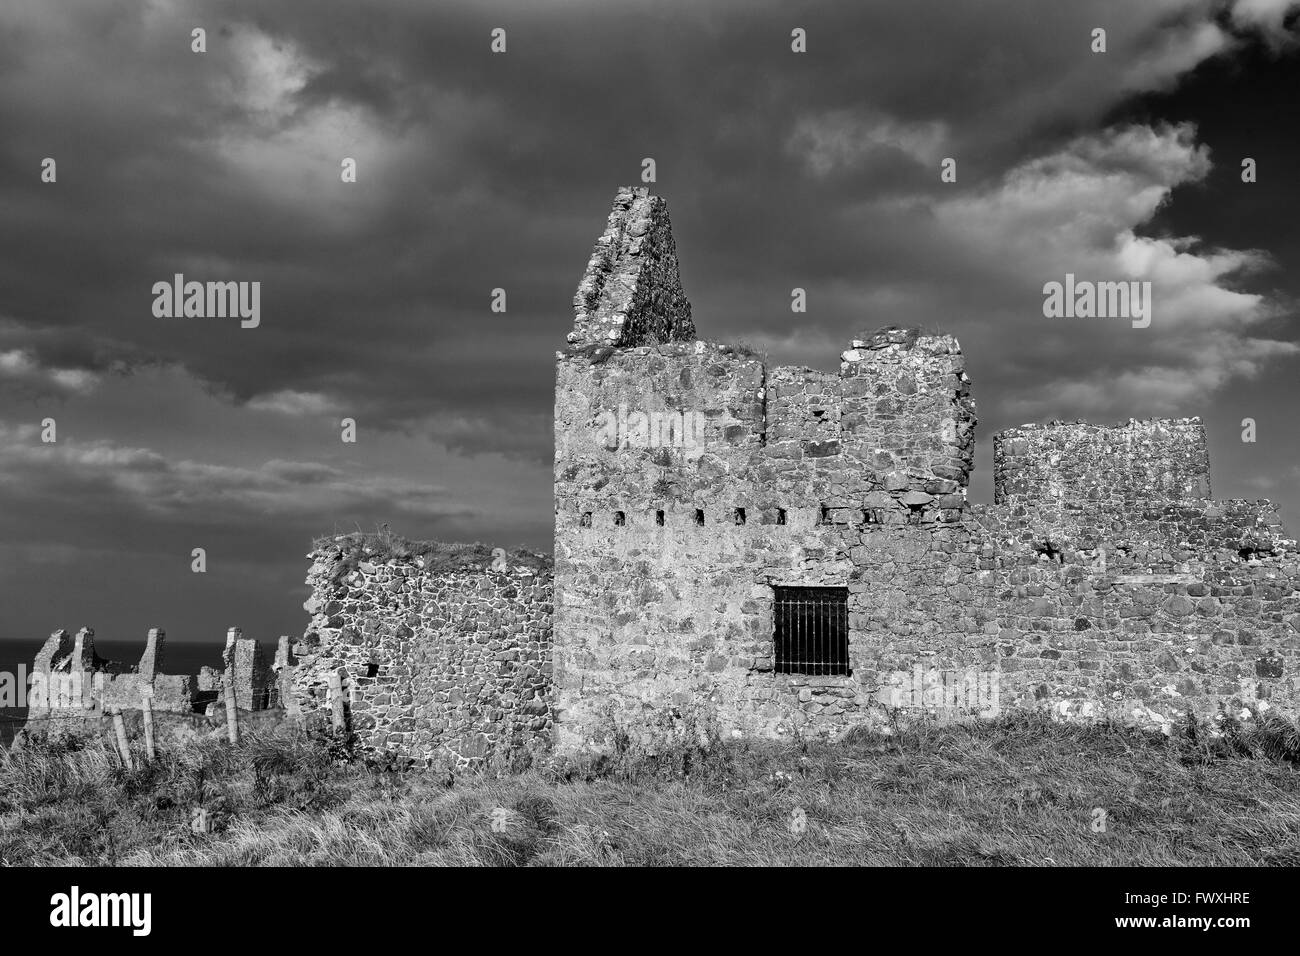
1019 791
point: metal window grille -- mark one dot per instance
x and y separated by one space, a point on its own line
811 631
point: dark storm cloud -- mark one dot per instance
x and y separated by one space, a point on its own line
478 172
72 486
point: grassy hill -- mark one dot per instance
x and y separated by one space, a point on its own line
1018 791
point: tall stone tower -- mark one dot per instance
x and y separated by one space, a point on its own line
694 485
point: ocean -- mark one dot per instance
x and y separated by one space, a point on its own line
179 657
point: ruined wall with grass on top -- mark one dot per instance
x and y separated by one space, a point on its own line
443 651
1103 582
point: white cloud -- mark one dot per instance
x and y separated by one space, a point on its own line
974 260
841 139
293 403
1080 210
1266 16
1178 50
141 479
22 370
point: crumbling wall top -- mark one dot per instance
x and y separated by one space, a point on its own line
339 555
1153 459
631 292
890 340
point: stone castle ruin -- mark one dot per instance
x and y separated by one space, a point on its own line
818 565
71 682
802 559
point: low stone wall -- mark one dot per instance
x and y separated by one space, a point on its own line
441 655
69 676
172 729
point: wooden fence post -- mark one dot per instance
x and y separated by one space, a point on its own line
232 718
146 709
336 701
123 749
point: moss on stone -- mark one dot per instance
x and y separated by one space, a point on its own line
348 551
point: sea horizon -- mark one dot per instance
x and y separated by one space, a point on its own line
179 657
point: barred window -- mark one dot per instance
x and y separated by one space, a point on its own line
811 630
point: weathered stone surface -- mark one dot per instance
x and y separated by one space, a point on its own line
1085 590
441 661
151 661
243 659
70 680
1157 459
631 292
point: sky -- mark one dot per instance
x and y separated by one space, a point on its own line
479 170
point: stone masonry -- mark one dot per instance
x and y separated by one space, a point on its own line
1103 581
441 655
694 484
70 680
697 488
631 292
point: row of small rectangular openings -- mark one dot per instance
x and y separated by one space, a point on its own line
738 516
872 515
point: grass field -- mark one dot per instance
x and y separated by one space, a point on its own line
1017 791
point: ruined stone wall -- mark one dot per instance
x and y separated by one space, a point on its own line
69 679
1105 465
631 292
970 618
907 422
897 424
68 675
442 656
244 659
1103 582
667 554
171 728
1145 613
